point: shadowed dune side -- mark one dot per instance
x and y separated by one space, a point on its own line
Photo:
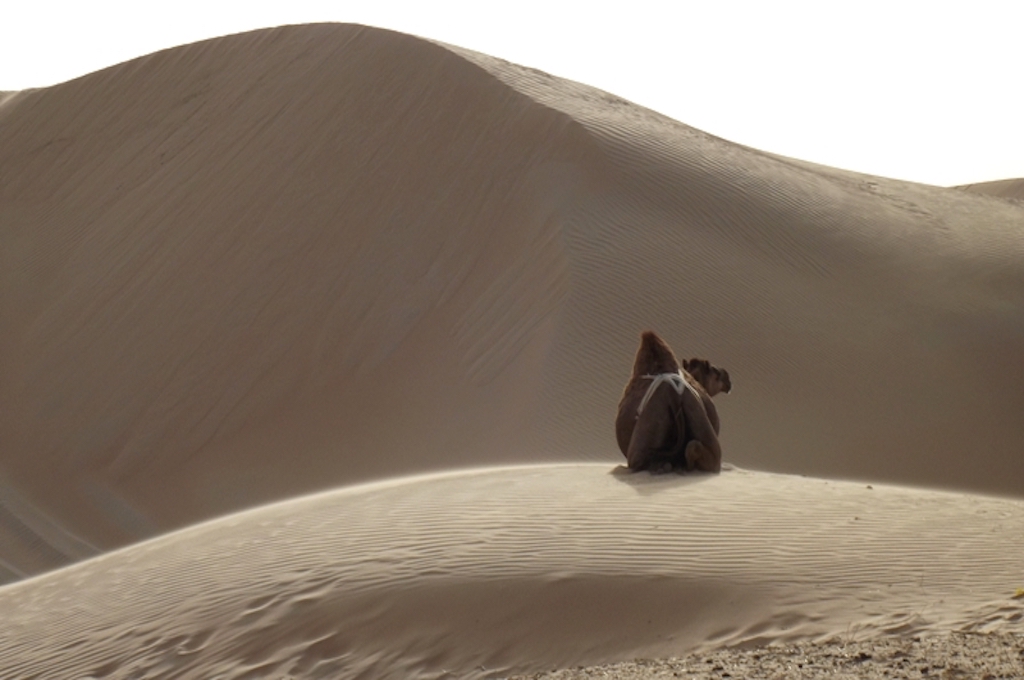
487 572
6 96
31 540
280 261
251 267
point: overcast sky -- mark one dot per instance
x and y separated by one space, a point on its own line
925 91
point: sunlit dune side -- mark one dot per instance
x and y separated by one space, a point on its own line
279 262
1005 188
491 571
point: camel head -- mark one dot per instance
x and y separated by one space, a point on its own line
713 378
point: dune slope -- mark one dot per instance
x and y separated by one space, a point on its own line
1004 188
486 572
282 261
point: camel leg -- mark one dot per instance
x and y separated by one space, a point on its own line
653 433
705 450
699 458
712 411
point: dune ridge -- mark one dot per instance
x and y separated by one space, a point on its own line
1005 188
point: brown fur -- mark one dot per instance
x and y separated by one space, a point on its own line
674 430
712 378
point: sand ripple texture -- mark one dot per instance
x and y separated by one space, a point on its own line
496 571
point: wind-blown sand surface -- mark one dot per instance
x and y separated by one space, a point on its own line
481 572
307 258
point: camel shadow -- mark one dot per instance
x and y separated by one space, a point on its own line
647 484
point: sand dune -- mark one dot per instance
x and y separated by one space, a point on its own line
491 571
1005 188
286 261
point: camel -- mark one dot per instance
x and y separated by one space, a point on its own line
666 418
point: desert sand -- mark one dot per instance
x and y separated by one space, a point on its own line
1006 188
312 342
957 655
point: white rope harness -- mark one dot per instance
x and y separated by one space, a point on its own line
675 380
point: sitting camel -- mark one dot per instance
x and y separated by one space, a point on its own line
666 417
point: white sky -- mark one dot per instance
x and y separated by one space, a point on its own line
925 91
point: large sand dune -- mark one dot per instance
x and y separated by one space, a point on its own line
281 262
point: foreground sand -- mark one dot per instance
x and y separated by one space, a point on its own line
483 573
957 655
309 258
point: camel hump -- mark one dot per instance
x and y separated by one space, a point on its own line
654 356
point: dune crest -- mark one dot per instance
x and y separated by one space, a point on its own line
1004 188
